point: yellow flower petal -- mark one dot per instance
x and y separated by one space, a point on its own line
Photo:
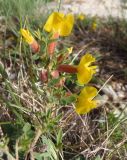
89 92
86 59
94 26
84 75
84 102
53 21
27 36
70 50
59 23
81 17
66 25
85 106
85 71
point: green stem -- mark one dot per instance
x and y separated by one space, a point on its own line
59 1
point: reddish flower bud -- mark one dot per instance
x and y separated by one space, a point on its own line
55 74
35 46
52 45
44 75
67 68
60 59
68 94
51 48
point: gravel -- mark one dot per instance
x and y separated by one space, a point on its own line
101 8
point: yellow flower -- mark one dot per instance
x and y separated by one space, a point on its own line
59 23
94 26
27 36
85 102
84 70
30 40
70 50
81 17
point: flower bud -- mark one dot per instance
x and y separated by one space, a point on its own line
67 94
44 75
67 68
60 59
55 74
52 45
35 47
30 40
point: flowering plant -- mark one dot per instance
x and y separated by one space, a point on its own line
52 71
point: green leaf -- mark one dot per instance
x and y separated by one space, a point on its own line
26 127
49 113
3 72
67 100
53 82
35 57
59 137
51 149
98 158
